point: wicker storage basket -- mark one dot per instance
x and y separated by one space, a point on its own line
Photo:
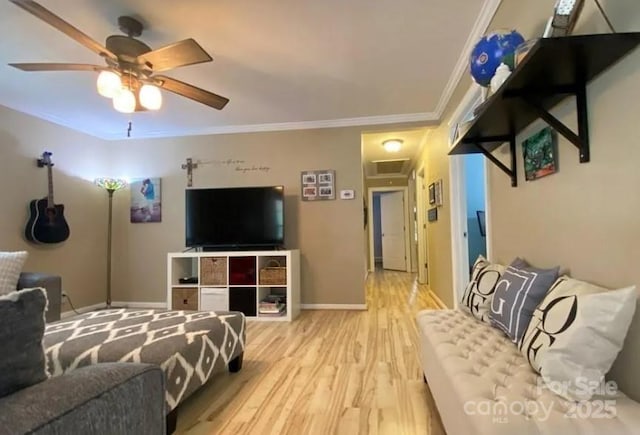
273 274
184 299
213 271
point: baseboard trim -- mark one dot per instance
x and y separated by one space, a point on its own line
115 304
81 310
143 305
437 300
346 307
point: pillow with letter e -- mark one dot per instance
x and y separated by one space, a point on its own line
479 293
575 335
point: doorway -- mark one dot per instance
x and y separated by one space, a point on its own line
470 210
389 244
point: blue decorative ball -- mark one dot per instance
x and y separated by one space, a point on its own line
492 50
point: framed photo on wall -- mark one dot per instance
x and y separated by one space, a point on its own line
432 193
146 200
438 192
318 185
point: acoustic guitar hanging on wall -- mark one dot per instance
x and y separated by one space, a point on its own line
46 222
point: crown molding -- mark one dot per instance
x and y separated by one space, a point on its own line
45 116
480 27
283 126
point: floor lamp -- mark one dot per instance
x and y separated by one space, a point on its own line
110 185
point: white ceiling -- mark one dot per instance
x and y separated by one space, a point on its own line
283 63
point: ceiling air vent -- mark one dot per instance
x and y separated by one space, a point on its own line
390 166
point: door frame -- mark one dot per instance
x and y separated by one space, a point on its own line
459 243
423 251
407 249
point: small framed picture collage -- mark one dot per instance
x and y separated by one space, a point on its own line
318 185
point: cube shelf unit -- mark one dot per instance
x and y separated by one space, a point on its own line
235 281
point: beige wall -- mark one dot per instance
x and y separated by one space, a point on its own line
328 233
585 217
78 159
529 18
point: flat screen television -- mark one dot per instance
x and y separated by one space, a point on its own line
235 218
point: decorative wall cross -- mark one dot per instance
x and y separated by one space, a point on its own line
189 166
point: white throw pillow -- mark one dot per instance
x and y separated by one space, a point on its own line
479 293
10 267
575 335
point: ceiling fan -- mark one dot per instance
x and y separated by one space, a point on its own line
129 77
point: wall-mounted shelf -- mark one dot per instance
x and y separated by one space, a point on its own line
554 69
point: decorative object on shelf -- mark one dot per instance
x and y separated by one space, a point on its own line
111 185
438 192
539 154
432 193
46 223
318 185
502 74
432 214
189 166
146 200
492 50
565 16
523 49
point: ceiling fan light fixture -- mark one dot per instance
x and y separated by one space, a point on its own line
392 145
108 84
150 97
124 101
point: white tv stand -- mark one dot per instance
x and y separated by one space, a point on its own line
231 281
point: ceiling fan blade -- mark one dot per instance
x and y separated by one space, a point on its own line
57 67
52 19
192 92
187 52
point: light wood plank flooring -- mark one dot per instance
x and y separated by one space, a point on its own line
329 372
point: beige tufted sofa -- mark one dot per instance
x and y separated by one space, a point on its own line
482 384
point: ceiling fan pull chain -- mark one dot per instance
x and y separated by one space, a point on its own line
129 130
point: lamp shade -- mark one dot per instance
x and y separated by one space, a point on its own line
124 101
150 97
108 84
111 184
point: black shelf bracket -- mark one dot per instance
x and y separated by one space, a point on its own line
511 172
580 140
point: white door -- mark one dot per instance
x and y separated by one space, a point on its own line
393 238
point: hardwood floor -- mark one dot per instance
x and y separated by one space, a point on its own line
329 372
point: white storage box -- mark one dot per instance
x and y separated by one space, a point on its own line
214 299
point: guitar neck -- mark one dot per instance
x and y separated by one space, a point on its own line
50 203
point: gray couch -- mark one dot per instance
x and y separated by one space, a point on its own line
52 284
110 398
114 398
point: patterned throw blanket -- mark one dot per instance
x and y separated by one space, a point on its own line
189 345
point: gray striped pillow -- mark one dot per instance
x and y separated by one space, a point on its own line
10 267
